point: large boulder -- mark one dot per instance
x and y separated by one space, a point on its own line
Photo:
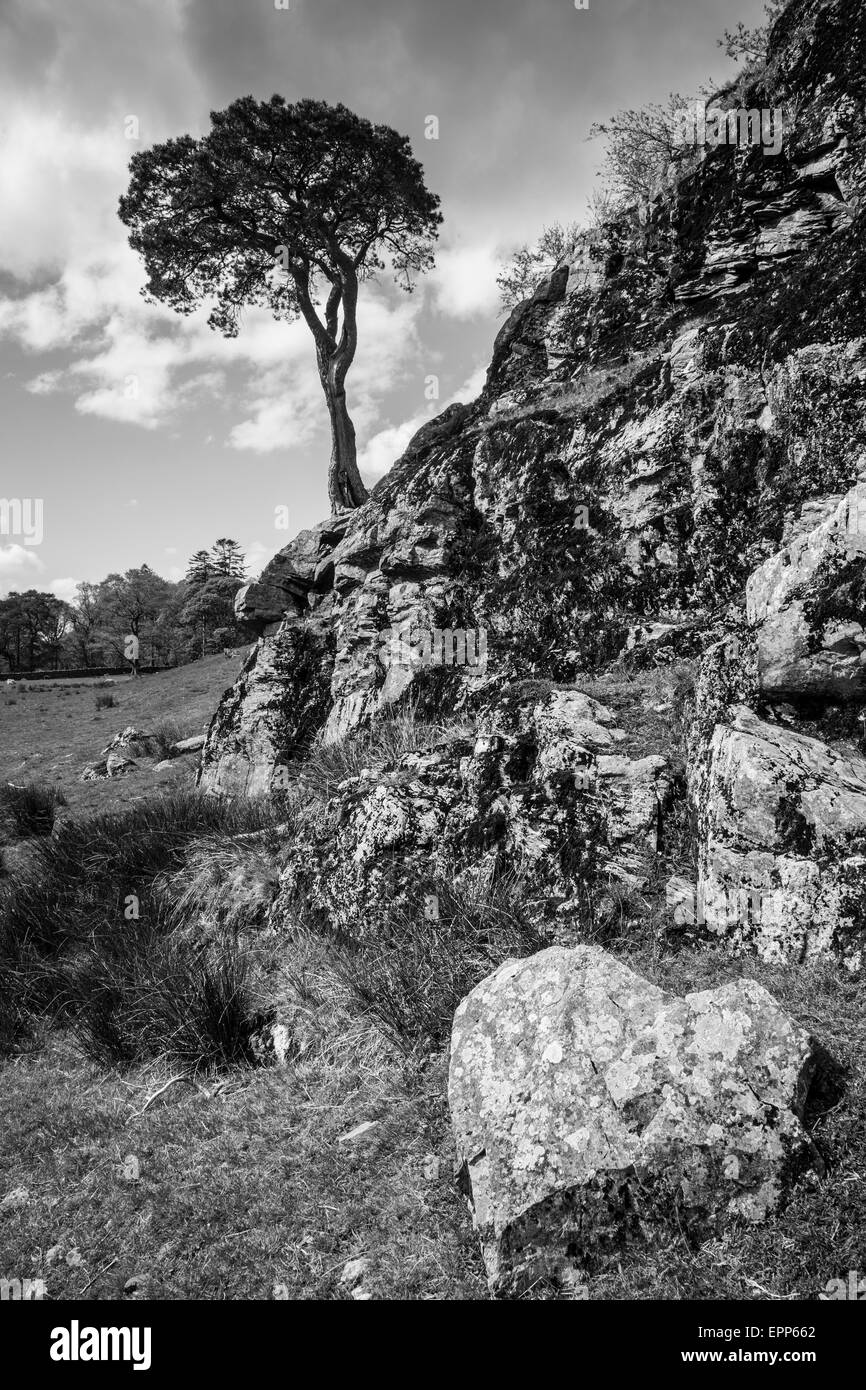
782 843
591 1108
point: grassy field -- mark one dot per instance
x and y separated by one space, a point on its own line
243 1189
50 730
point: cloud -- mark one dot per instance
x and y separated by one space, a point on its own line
257 554
19 566
288 409
464 281
382 451
65 589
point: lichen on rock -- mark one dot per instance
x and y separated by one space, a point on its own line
591 1109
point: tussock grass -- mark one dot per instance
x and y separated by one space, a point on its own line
224 883
140 993
88 934
27 810
411 979
375 747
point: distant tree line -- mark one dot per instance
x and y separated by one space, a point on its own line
174 622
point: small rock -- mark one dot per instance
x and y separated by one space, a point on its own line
94 772
361 1293
162 766
432 1168
75 1259
362 1131
129 1169
188 745
116 764
18 1197
355 1270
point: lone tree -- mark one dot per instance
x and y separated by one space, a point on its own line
280 205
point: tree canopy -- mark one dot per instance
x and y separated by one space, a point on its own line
278 205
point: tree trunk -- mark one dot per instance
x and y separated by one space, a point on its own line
345 487
335 353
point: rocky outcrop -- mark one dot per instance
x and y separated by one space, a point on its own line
658 418
782 855
808 604
271 712
540 790
661 487
591 1108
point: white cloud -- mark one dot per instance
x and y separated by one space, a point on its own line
288 407
385 447
51 171
257 554
464 281
19 566
383 450
65 589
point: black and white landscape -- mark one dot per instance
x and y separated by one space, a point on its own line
433 635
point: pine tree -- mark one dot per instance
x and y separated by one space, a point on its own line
226 557
199 569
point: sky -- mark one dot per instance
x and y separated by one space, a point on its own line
145 435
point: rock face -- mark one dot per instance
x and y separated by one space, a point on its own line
807 604
669 454
783 846
540 788
591 1107
274 707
